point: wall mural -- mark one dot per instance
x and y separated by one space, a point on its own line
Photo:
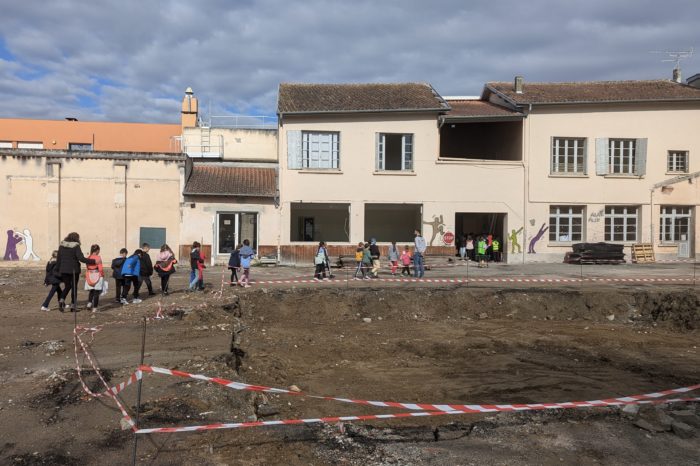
513 237
536 238
438 227
15 238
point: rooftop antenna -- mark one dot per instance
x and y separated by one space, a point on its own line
675 56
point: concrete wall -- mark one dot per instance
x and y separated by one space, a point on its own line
666 126
234 143
52 196
104 136
442 187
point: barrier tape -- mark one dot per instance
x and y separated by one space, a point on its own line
415 409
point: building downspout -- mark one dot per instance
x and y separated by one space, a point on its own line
126 168
526 179
60 166
651 218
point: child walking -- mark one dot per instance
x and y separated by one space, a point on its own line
117 264
366 262
247 255
165 266
394 258
359 252
146 269
197 264
406 261
234 263
94 278
52 278
131 271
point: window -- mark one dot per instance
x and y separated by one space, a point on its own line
79 146
392 222
315 221
621 223
565 223
569 156
30 145
320 150
233 228
394 152
622 157
675 223
677 161
5 145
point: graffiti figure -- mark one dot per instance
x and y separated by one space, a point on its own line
438 227
26 237
11 248
535 239
513 237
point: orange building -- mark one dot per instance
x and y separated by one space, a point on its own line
71 134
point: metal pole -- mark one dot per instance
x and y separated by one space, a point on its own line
138 392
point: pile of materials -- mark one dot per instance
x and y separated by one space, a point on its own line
595 253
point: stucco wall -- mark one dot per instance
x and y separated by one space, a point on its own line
666 127
91 197
235 143
443 188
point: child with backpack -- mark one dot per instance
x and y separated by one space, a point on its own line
234 263
146 268
131 272
94 278
394 258
359 253
52 278
320 262
247 254
165 266
197 265
117 264
366 261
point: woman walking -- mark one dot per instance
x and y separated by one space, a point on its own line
165 266
68 265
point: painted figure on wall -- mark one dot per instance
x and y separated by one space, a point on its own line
26 238
536 238
11 247
438 227
513 237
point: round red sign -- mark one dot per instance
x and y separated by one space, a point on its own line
448 238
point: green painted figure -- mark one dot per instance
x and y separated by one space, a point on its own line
514 241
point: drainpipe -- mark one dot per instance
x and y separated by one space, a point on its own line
651 217
59 201
126 168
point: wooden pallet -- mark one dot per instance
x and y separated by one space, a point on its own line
643 254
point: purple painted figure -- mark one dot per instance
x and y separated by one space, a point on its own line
11 248
535 239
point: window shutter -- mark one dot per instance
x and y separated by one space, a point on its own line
380 143
601 156
294 150
640 162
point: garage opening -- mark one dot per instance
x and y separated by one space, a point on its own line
483 140
392 222
320 222
480 223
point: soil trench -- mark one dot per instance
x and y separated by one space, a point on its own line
423 345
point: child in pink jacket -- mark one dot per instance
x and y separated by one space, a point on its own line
405 261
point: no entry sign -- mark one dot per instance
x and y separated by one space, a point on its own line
448 238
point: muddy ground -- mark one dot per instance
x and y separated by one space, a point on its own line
433 345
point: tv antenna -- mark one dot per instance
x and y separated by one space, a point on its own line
675 56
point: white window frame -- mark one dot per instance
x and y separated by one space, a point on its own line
629 216
316 157
406 152
622 153
669 220
563 216
676 159
30 145
560 156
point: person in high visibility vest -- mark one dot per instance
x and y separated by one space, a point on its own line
496 247
481 252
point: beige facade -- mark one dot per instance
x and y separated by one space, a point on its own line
665 128
241 144
111 199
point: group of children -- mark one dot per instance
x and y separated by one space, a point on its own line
481 249
241 257
127 272
367 262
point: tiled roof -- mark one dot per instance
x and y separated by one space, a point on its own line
340 98
478 109
220 180
597 91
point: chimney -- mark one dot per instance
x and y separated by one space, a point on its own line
190 108
694 80
677 75
518 85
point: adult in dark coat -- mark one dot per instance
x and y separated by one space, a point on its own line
68 265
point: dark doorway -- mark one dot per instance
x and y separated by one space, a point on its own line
478 223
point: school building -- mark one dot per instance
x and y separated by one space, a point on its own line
540 165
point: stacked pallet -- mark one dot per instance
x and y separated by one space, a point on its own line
595 253
643 253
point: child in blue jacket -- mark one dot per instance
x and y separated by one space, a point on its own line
131 271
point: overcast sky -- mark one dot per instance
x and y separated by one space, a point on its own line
131 60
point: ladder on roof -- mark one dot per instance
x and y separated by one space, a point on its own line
206 138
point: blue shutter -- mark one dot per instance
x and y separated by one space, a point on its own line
294 150
640 161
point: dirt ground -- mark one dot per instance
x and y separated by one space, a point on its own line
429 344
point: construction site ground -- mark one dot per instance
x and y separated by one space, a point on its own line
530 333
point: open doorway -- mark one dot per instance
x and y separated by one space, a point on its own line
483 223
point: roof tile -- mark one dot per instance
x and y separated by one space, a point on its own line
231 181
